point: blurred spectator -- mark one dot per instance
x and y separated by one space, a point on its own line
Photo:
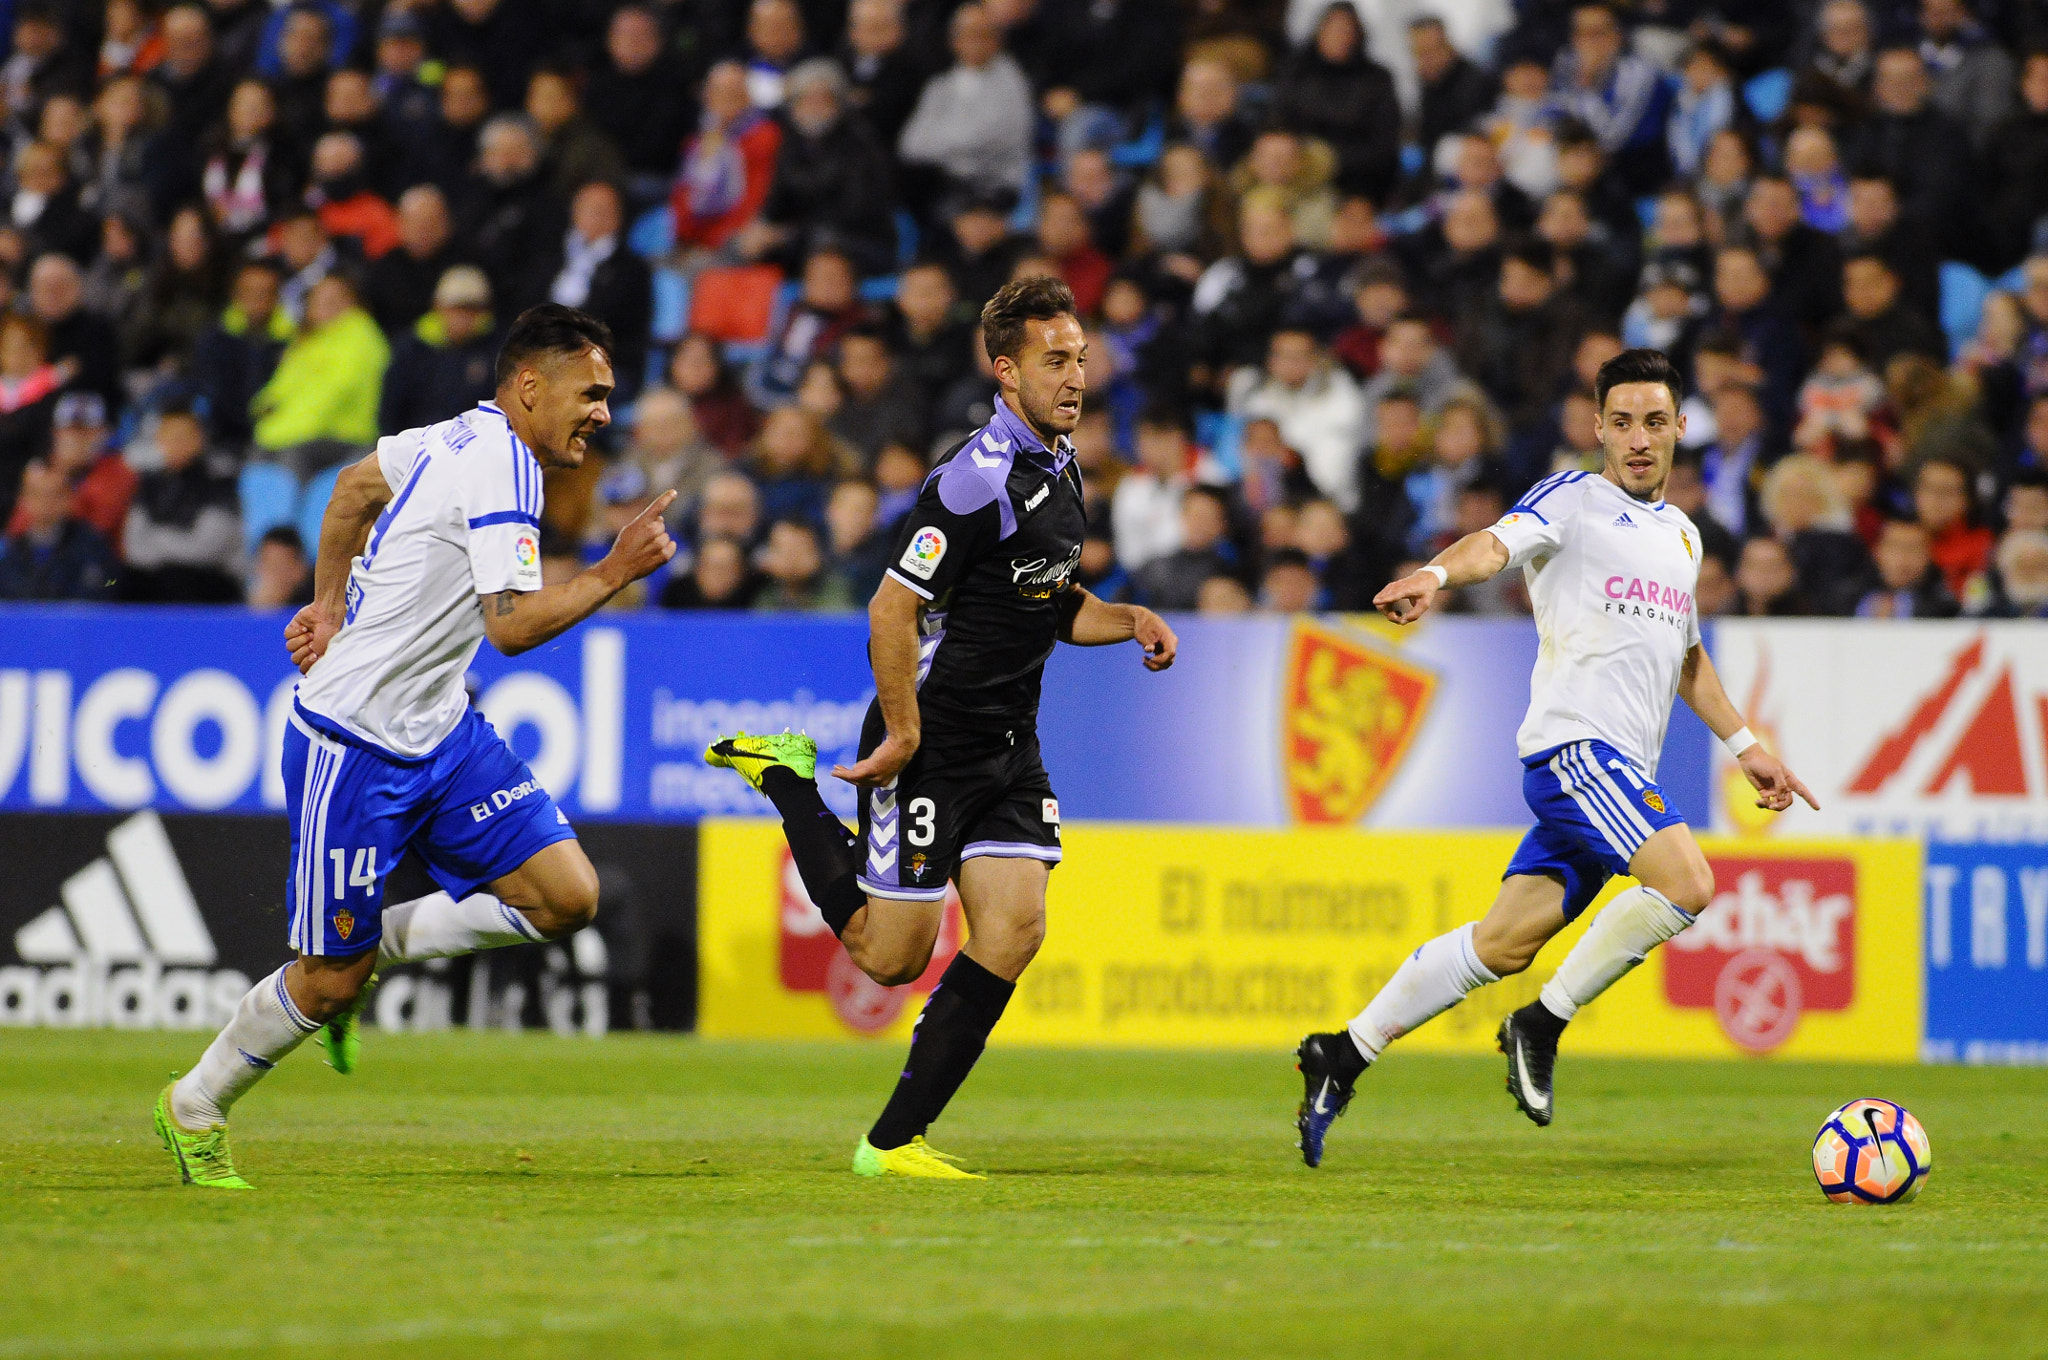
502 39
573 149
50 552
1838 399
1767 583
1764 338
1884 326
1523 125
793 462
1909 585
1066 239
400 286
179 294
1348 579
1206 114
297 68
29 384
1845 55
1944 506
1804 264
1145 509
632 96
1241 300
1453 92
972 124
1220 594
859 546
978 248
1669 310
451 144
447 363
729 508
797 581
775 40
280 577
233 360
1174 580
1459 258
247 172
880 408
1330 89
1937 416
403 83
507 218
826 308
899 476
1411 359
720 409
1731 464
1181 214
1317 407
340 192
1616 93
1686 490
1972 77
1289 585
884 76
1916 147
2015 166
1465 449
194 82
1875 226
101 482
1518 346
45 208
929 338
1808 515
1714 594
591 268
832 180
305 256
727 166
1379 295
719 578
2022 577
667 447
83 346
1706 103
183 541
352 107
129 166
1815 170
321 402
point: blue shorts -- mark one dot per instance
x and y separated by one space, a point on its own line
1594 809
470 807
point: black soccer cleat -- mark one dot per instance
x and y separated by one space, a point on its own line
1532 1058
1329 1064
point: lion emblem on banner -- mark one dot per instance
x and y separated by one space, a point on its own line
1350 714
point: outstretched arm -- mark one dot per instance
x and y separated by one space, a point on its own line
360 494
1086 621
1700 686
1472 559
519 620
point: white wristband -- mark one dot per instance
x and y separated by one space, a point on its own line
1443 578
1739 742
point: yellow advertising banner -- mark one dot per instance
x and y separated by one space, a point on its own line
1228 938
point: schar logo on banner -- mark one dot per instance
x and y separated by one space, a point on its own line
1778 940
812 959
127 947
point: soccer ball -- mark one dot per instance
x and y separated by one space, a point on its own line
1871 1152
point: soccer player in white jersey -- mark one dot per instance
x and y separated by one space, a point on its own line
429 545
1611 569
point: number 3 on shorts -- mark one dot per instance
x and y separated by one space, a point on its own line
923 815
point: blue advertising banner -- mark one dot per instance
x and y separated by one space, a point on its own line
1264 720
1987 953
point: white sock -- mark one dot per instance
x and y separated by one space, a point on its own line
266 1027
1621 936
438 927
1429 982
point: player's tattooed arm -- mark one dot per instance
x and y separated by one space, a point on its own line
360 494
1700 686
518 621
1086 621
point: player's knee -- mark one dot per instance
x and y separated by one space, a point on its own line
571 904
1694 890
1501 953
324 990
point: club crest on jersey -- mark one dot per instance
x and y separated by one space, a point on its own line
526 550
917 863
344 923
1653 800
922 557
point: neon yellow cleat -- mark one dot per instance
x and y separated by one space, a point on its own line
341 1036
203 1158
914 1158
751 756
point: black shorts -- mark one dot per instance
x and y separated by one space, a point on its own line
942 810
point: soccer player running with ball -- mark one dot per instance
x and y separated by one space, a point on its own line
980 588
429 545
1611 570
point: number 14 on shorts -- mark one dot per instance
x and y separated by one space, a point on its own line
361 873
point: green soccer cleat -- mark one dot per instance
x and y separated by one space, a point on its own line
752 756
915 1158
203 1158
341 1037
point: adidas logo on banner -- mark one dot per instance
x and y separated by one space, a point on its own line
128 947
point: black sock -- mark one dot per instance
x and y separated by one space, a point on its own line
950 1035
826 853
1541 1022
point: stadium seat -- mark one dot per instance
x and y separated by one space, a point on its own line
653 233
1767 93
1222 434
907 237
1963 291
1143 150
270 497
882 288
319 487
671 306
1025 219
735 305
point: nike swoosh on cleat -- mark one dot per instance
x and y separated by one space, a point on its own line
1321 1091
1529 1092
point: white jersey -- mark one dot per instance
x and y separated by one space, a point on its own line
463 521
1612 581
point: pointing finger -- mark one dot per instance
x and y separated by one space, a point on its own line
656 506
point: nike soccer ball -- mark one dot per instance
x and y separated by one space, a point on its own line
1871 1152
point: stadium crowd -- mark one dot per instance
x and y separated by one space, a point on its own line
1347 278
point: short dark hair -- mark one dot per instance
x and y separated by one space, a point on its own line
1637 366
284 536
549 329
1038 297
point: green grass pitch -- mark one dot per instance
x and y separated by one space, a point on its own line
504 1196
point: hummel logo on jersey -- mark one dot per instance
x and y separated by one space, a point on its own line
1624 521
1036 497
127 948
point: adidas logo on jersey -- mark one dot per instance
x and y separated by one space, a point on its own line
1624 521
128 947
